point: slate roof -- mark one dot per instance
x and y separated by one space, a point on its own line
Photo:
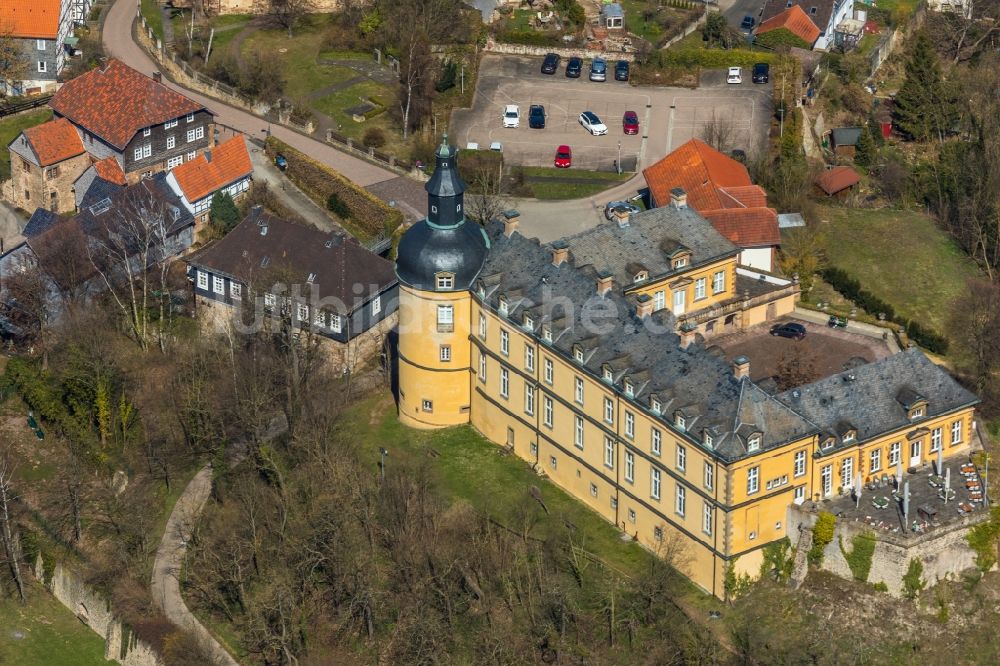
820 17
40 221
115 101
38 19
845 136
796 21
98 190
872 396
54 141
692 380
110 170
262 245
719 188
837 179
154 192
213 170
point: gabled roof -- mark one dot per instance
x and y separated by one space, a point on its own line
262 245
719 188
54 141
115 101
837 179
206 174
110 170
37 19
40 221
794 20
817 12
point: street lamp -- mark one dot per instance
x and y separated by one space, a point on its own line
618 164
383 453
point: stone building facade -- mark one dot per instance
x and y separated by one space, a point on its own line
45 162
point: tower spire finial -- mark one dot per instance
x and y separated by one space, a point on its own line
444 150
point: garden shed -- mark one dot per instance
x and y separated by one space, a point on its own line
613 16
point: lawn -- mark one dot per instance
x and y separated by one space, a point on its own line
11 126
901 257
154 16
558 184
45 632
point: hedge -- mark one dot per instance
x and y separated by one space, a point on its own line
532 38
709 58
370 216
781 37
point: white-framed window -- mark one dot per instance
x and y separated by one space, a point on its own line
894 451
546 334
547 372
578 354
190 117
935 440
202 280
629 424
445 317
553 462
800 495
143 151
609 452
169 124
504 341
218 285
753 443
578 432
706 519
631 515
699 288
679 421
445 281
614 502
826 474
190 156
629 466
655 441
659 300
753 480
502 306
302 312
654 483
629 388
334 322
800 463
680 502
43 66
680 262
547 411
195 134
376 305
482 326
654 405
427 405
917 412
444 353
504 382
529 358
319 317
533 448
609 410
709 475
847 472
482 367
956 432
147 131
171 142
175 161
681 458
593 490
269 301
719 282
876 460
40 44
529 399
235 289
578 391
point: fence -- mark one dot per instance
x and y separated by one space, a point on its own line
11 109
347 144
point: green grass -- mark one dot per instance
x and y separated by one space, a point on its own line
345 55
11 126
154 16
51 634
556 189
648 30
901 257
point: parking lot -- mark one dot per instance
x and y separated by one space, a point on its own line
667 116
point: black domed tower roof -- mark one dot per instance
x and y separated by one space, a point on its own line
444 243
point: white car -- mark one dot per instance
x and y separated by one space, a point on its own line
592 123
511 116
735 75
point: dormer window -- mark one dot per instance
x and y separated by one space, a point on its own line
679 420
444 280
481 291
311 278
708 439
640 276
503 306
546 334
629 388
679 262
849 436
655 405
917 412
578 353
753 442
529 323
608 376
827 443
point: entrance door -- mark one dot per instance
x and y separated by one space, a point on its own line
915 447
679 298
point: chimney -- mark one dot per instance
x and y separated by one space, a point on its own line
741 367
621 215
678 198
105 63
688 332
158 77
604 282
643 306
510 222
560 252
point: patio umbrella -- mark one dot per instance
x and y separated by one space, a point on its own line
947 484
857 492
899 471
939 461
906 506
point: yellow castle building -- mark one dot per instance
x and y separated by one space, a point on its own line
586 357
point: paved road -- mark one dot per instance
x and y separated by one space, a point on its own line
165 584
739 8
287 193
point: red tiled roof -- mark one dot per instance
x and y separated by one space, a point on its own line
699 169
796 21
30 18
200 177
115 101
746 227
109 169
54 141
745 196
837 179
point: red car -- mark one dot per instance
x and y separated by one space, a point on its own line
564 157
630 123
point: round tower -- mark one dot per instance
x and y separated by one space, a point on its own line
437 261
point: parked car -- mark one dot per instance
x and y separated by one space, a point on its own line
496 147
574 66
511 116
550 64
748 22
761 72
564 157
612 206
735 75
598 70
592 123
630 123
281 162
789 330
536 116
836 322
621 70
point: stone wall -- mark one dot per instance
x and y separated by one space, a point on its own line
541 51
91 608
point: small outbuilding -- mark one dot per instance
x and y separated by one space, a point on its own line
613 16
838 179
844 141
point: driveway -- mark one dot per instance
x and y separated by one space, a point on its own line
739 8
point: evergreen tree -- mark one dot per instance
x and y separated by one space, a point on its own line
924 109
866 151
223 212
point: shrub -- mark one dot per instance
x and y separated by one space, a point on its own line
779 558
373 137
449 72
781 37
822 536
223 212
984 539
859 559
880 586
337 206
913 583
735 585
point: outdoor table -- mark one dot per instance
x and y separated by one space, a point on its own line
935 481
880 502
966 507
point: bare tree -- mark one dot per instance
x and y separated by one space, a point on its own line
13 62
8 530
416 81
718 132
288 14
487 191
